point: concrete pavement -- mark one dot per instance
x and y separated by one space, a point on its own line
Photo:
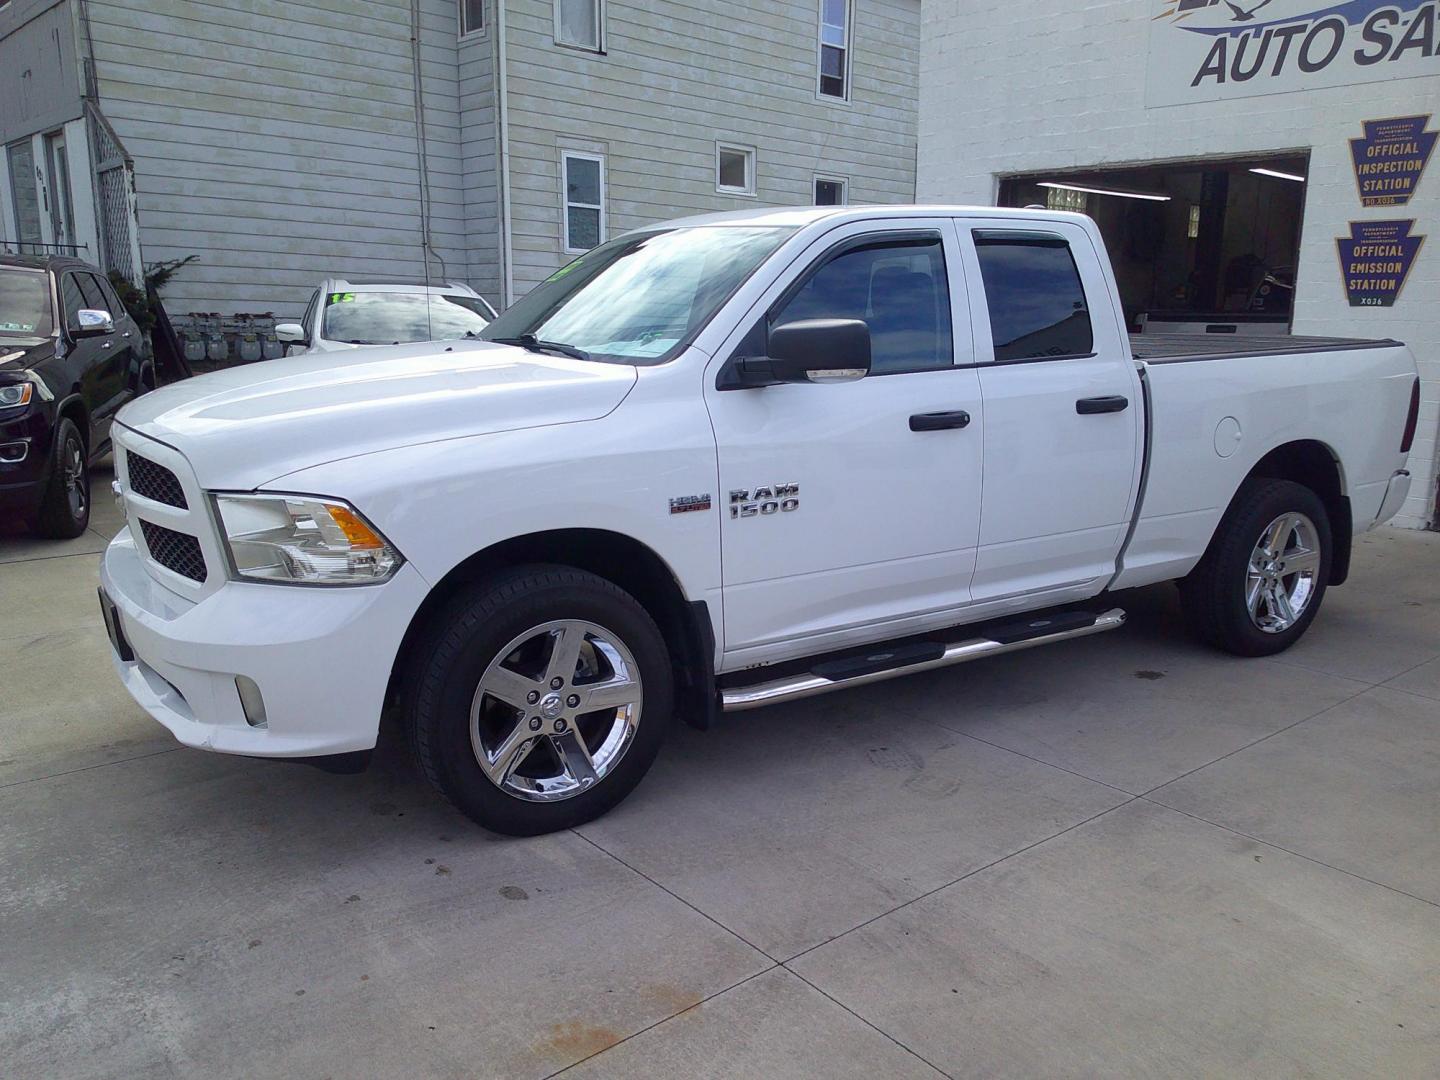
1119 856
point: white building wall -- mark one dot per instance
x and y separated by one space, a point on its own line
277 141
677 76
1056 85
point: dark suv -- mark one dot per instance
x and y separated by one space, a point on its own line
70 356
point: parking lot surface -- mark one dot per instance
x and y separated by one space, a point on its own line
1119 856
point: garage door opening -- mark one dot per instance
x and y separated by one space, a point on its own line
1198 247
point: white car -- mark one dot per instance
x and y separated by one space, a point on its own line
351 313
716 464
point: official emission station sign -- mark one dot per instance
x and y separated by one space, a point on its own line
1390 159
1204 50
1375 260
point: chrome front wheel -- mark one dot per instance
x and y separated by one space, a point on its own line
1281 576
556 710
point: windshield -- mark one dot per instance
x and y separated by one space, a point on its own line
640 298
379 318
24 303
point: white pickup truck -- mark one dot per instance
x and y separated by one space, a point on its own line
714 464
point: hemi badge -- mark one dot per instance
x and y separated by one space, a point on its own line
686 504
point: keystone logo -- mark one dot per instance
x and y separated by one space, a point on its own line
1268 39
1375 260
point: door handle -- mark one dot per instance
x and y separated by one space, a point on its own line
939 421
1089 406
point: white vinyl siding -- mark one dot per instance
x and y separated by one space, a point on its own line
580 23
584 200
679 74
278 142
734 169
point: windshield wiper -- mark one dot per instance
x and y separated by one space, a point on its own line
531 343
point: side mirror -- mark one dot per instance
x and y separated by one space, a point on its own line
91 322
290 333
809 351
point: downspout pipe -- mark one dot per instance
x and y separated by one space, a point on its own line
502 119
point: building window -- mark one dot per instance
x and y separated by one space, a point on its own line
578 22
734 169
835 48
472 17
830 190
584 201
1066 199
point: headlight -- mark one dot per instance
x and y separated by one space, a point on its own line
303 540
15 394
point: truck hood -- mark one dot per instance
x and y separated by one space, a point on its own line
246 426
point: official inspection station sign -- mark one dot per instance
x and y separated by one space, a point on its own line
1390 159
1203 50
1375 260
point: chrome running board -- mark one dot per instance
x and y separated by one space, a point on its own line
860 670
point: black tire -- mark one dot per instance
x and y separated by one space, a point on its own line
1214 594
469 635
65 505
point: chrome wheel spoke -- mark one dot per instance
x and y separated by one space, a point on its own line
1280 605
1278 536
565 653
509 754
511 687
575 757
1254 589
614 694
1302 561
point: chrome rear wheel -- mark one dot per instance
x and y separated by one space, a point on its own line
1281 576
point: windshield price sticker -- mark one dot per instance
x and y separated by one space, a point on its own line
1375 260
1390 158
342 298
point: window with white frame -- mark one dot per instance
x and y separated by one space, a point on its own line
835 48
584 178
579 23
734 169
472 17
830 190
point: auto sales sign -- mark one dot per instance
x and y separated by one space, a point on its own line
1202 50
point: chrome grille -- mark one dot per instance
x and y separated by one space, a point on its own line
175 551
154 482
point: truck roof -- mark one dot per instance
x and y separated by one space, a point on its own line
799 216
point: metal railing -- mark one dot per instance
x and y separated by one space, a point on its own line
34 247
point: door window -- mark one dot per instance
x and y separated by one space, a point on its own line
897 287
1033 291
72 298
94 295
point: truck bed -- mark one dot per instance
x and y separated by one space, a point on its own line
1182 348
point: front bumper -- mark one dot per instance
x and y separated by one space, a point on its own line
321 657
22 482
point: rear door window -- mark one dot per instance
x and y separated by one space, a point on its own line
1032 290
